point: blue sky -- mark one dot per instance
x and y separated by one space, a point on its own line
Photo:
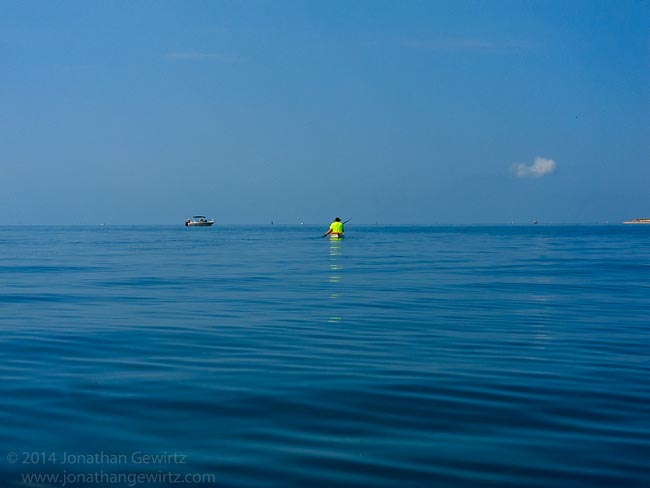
415 112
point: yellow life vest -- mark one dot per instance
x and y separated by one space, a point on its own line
337 228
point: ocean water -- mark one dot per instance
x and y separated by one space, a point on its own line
268 356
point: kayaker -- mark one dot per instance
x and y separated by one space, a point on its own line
336 228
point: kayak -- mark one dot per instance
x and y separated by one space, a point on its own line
336 236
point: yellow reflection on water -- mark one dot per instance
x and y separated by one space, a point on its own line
336 275
335 247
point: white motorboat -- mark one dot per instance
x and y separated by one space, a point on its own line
198 221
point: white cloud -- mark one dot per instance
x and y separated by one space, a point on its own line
541 167
200 56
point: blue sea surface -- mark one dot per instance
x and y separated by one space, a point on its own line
268 356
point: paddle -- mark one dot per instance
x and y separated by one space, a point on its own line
327 233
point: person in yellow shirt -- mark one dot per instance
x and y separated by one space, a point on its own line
336 228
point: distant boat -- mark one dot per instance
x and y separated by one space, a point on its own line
637 221
198 221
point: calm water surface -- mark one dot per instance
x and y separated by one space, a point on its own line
267 356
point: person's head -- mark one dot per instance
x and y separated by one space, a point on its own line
337 219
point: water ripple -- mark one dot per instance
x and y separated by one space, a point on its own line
443 356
